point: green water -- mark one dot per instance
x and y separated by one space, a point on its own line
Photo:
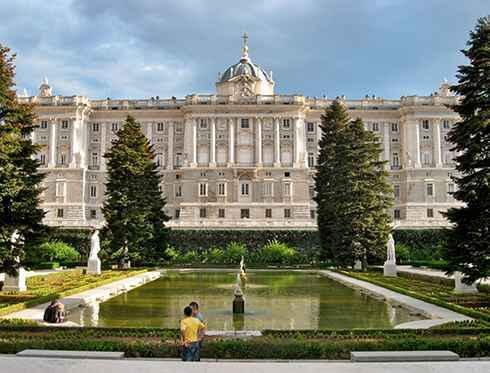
273 300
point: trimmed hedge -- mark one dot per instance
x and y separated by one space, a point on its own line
324 344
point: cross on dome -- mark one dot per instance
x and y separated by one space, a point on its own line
245 47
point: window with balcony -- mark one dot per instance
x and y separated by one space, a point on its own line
286 190
425 124
445 124
221 189
159 160
115 127
203 124
286 123
42 159
310 127
375 126
268 189
93 191
394 127
159 126
395 161
311 160
426 158
396 191
95 127
44 124
244 189
178 190
203 189
95 159
64 124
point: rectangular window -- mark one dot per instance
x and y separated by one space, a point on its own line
268 213
426 158
202 212
396 191
397 214
178 159
287 213
430 213
312 214
287 174
310 127
450 188
62 159
286 123
60 189
395 160
394 127
64 124
203 124
268 189
95 159
430 189
244 213
42 159
245 189
203 189
425 124
93 214
115 127
160 127
221 213
286 189
311 160
178 191
159 160
375 126
44 124
244 123
221 189
95 127
93 191
445 124
59 213
177 213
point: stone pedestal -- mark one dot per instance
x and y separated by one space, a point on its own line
460 287
93 267
17 283
358 265
238 304
389 269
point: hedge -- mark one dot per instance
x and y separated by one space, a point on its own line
163 343
422 242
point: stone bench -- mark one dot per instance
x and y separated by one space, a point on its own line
395 356
105 355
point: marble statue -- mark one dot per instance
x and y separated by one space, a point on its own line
389 268
94 265
460 287
16 283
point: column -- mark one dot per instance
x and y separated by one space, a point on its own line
436 134
277 143
52 144
231 141
194 143
416 146
103 144
170 146
298 143
212 145
258 141
412 142
386 145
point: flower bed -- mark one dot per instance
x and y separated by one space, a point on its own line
42 289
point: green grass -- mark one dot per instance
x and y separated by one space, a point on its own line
57 285
436 292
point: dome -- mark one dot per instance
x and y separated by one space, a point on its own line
244 67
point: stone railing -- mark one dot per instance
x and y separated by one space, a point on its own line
429 100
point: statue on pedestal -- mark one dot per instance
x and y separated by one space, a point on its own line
16 283
389 268
93 265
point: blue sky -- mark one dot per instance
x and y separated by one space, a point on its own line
144 48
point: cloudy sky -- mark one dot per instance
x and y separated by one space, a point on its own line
143 48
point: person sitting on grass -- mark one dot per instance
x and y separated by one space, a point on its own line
190 330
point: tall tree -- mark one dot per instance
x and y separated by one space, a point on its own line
133 207
352 192
20 180
468 249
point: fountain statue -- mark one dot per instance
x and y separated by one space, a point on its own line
239 302
16 283
389 268
93 265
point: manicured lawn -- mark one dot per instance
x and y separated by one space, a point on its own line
44 288
431 291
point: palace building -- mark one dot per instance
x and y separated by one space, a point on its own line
243 157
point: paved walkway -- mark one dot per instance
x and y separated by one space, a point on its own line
13 364
430 272
99 294
438 315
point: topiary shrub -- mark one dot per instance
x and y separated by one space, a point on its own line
57 251
275 252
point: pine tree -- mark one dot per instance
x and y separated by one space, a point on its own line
468 248
133 207
20 181
352 192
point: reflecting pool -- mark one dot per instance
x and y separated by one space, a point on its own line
273 300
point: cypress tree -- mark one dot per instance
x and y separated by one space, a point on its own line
352 192
468 247
133 207
20 181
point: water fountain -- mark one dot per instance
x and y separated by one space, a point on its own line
239 302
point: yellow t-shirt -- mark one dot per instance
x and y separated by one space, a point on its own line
190 329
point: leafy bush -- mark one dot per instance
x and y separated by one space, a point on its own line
214 256
57 251
45 265
275 252
402 253
234 252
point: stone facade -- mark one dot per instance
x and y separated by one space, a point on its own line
243 157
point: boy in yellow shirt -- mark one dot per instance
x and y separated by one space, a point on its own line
191 329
